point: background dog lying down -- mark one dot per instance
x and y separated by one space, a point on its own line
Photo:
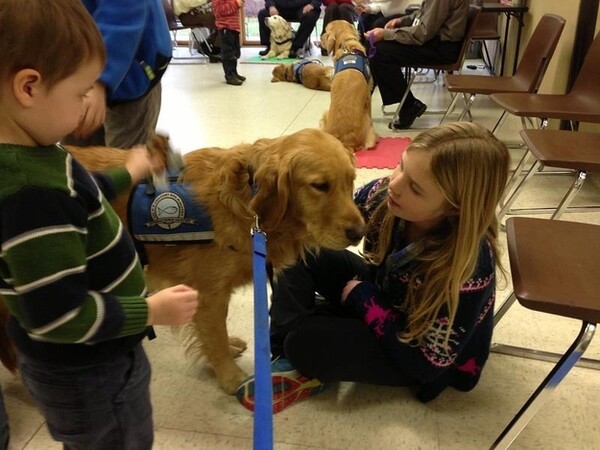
310 73
303 202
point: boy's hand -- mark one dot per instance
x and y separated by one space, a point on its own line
94 111
140 163
348 288
172 306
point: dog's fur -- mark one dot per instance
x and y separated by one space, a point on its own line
303 202
282 34
314 75
349 114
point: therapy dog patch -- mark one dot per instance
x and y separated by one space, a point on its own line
169 215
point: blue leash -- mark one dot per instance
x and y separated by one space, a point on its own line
263 388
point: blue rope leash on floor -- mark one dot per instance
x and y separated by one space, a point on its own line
263 388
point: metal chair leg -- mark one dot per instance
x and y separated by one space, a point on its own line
539 397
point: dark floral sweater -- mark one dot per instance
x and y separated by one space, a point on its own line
379 303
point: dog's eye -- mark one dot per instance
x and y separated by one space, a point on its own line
323 187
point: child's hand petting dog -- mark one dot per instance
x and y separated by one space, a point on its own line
141 162
175 305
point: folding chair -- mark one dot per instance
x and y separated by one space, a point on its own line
487 30
581 104
527 78
554 268
175 25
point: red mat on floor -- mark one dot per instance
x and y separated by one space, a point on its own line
385 155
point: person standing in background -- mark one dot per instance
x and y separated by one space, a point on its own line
227 19
122 108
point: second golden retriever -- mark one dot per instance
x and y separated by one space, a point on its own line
349 115
311 74
282 35
303 202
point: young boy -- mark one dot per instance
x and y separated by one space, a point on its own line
69 273
227 18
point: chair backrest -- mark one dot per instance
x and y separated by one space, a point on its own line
472 19
586 82
539 51
487 26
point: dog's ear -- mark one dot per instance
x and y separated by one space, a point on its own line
159 145
328 40
234 176
270 203
289 73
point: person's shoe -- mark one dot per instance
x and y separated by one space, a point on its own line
324 51
233 80
288 387
240 77
264 52
408 115
293 54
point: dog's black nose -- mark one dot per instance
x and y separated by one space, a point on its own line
355 234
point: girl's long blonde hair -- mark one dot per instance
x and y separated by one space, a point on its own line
470 166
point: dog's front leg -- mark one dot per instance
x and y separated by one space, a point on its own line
211 327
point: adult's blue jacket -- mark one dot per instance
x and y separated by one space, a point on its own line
138 45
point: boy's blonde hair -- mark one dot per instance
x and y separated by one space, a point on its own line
53 37
470 166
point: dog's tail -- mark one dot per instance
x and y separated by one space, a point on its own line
8 356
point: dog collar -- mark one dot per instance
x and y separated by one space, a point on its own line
355 60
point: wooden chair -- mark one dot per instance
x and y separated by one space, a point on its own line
563 149
527 78
176 25
580 104
554 268
456 66
487 30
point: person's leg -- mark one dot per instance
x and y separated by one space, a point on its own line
341 349
263 30
4 429
228 56
346 12
295 289
329 15
132 123
100 406
307 25
237 51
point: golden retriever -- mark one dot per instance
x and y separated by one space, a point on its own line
303 202
282 35
349 114
310 73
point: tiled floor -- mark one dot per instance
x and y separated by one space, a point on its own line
190 412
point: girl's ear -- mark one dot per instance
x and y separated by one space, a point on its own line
27 83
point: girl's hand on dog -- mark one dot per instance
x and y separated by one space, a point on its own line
175 305
141 162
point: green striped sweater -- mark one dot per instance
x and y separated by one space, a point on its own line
69 273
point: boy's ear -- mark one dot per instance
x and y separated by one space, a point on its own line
26 84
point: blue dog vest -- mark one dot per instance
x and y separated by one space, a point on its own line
299 65
356 61
168 215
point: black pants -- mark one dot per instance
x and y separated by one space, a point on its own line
307 25
335 11
230 50
315 334
392 57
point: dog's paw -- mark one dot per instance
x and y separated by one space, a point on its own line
236 346
230 381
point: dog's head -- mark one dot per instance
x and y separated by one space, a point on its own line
283 72
341 37
280 28
305 184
